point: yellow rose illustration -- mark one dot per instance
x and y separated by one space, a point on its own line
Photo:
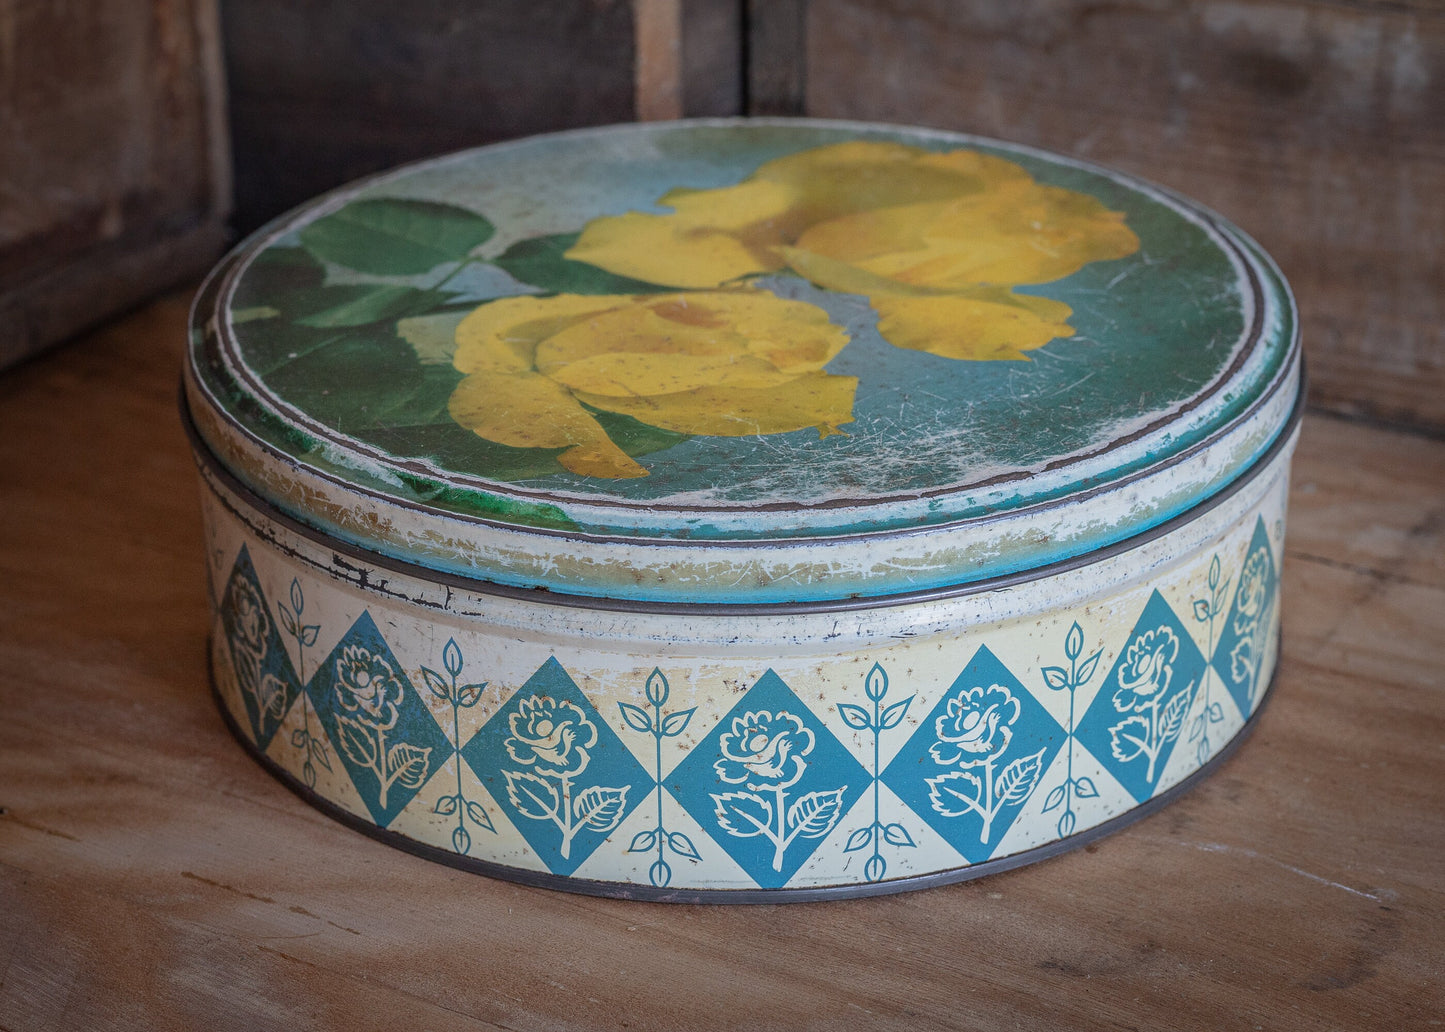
936 241
729 363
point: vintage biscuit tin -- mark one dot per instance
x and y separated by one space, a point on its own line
743 510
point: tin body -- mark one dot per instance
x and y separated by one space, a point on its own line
744 511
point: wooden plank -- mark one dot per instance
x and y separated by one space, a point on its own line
324 93
776 63
1317 127
658 24
712 57
113 167
152 877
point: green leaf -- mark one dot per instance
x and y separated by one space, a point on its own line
634 437
368 304
392 236
433 337
540 262
275 272
351 379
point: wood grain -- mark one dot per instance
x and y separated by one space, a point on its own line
658 62
114 177
1317 127
152 877
321 94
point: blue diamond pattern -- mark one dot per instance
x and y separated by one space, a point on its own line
976 758
1138 715
559 771
769 783
258 655
1242 643
383 732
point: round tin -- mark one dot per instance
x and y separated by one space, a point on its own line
743 510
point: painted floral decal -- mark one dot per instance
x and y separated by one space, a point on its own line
882 718
1206 611
973 733
449 690
1143 691
1059 679
724 363
369 694
975 727
660 726
640 330
766 752
552 738
249 630
1249 626
936 241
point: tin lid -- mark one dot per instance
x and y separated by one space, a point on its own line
742 361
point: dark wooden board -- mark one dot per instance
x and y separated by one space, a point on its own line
323 93
153 878
114 179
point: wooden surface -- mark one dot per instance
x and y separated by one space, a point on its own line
323 93
152 877
1319 127
114 176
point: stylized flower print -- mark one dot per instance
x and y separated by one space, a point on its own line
724 363
1253 585
551 736
367 684
1147 668
935 241
764 750
248 615
975 726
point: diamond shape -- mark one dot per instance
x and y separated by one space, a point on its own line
263 669
1138 715
383 732
1239 656
769 782
976 758
559 771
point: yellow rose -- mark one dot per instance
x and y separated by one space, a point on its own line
935 241
729 363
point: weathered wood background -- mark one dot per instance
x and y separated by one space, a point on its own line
114 178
